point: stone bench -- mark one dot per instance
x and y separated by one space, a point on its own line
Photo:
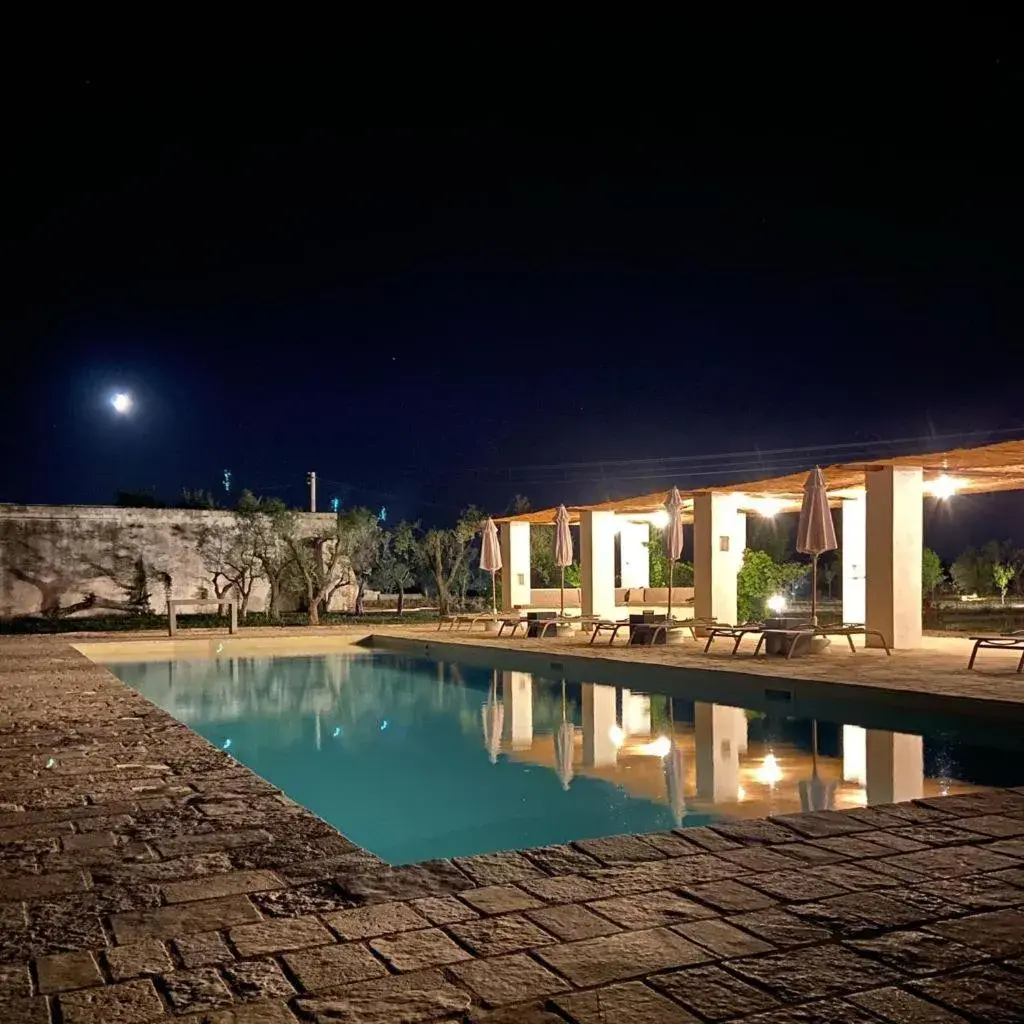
174 606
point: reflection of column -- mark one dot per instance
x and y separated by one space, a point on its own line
517 693
635 557
598 722
895 767
717 732
636 713
597 562
855 757
515 560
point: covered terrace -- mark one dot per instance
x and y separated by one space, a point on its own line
880 504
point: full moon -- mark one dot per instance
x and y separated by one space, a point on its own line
121 402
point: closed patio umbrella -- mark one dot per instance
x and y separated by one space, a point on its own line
563 548
816 533
490 557
564 740
673 538
493 714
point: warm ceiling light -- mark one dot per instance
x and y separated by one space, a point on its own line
768 507
659 747
617 736
660 519
945 486
777 603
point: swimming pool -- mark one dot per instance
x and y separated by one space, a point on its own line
415 759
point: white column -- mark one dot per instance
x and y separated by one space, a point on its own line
515 562
895 537
895 767
598 720
716 732
636 563
517 694
636 713
719 535
597 562
854 556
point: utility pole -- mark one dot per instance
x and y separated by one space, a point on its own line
311 480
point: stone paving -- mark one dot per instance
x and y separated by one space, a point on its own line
145 875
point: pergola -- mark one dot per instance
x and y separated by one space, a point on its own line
880 501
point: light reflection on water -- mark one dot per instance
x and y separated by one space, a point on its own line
415 759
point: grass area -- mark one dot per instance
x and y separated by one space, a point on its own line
127 623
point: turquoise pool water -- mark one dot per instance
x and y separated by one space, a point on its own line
415 759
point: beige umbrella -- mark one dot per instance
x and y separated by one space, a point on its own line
563 549
816 533
564 741
493 714
673 538
490 557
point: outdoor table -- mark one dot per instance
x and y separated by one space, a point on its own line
780 644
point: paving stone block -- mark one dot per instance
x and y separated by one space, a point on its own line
507 979
378 919
794 886
413 951
566 889
916 952
953 861
89 841
198 990
247 1013
571 922
183 919
621 956
559 859
138 958
722 939
226 884
629 1003
203 950
650 910
713 993
494 936
64 971
999 933
730 896
814 973
258 980
280 935
990 993
443 909
780 927
499 899
41 887
497 868
897 1006
616 850
390 1001
127 1003
330 966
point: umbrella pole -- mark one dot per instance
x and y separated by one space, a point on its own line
562 594
814 589
494 597
671 573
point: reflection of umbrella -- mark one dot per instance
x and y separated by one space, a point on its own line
675 773
493 715
815 794
816 533
490 557
563 548
673 538
564 738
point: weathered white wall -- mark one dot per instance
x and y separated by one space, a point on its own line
62 553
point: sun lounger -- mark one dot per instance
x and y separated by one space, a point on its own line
609 626
467 619
735 633
1004 642
850 630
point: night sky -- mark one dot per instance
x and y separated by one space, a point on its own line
438 285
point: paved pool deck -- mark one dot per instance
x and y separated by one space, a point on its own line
147 876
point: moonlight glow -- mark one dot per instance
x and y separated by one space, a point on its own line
121 402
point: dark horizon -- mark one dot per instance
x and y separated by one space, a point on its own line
425 298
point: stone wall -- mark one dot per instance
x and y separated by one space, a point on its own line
56 556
